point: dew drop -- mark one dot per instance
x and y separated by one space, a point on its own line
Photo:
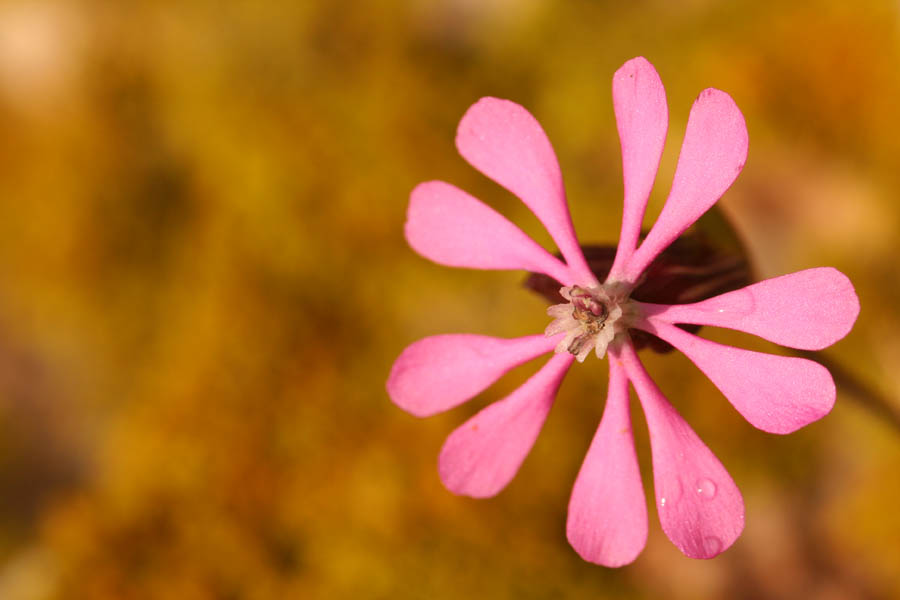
662 501
712 546
706 488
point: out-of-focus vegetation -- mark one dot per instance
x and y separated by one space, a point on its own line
203 283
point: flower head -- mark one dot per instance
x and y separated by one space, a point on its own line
700 507
591 319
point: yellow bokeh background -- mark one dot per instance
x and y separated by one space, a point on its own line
204 283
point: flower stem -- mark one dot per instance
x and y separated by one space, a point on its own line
878 404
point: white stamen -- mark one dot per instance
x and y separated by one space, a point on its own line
591 319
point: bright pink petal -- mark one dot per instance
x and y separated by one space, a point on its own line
712 156
700 508
440 372
642 118
810 309
484 454
450 227
502 140
778 394
607 522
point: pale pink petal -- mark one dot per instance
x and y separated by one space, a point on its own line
642 118
712 156
484 454
450 227
778 394
502 140
607 522
440 372
810 309
700 507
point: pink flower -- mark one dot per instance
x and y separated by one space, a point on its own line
699 506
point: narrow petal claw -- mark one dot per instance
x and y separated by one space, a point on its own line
712 155
810 309
700 507
502 140
642 118
777 394
607 523
440 372
484 454
451 227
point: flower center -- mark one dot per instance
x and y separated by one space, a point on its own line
591 318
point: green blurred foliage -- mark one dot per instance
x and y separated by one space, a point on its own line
203 284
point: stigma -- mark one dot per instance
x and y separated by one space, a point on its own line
591 319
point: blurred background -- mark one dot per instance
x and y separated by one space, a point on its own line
204 282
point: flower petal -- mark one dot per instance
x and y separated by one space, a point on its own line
607 522
484 454
642 119
502 140
700 507
712 156
451 227
810 309
778 394
440 372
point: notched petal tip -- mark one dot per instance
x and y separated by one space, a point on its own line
635 67
723 124
639 61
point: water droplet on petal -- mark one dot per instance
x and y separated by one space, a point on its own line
712 546
662 501
706 488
